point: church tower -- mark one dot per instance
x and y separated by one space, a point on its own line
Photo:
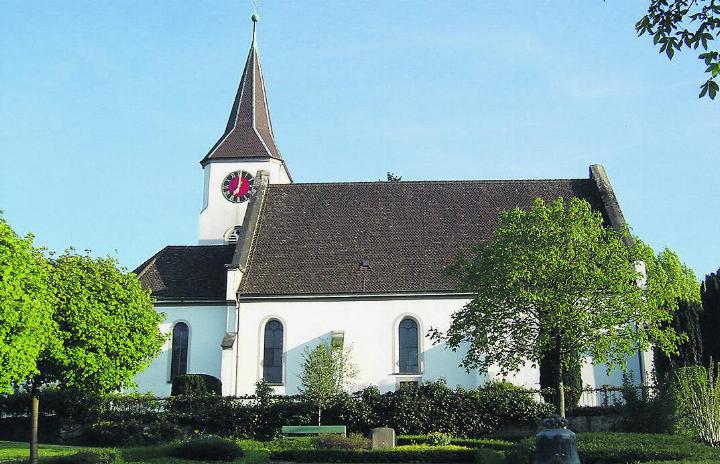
245 153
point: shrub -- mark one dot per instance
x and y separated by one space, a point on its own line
489 443
132 432
85 457
208 449
196 384
698 402
653 414
401 454
115 420
354 441
438 439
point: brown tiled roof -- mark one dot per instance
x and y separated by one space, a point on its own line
311 237
248 133
194 273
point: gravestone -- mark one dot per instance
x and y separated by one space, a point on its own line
383 438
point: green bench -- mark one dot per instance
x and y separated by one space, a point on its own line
313 429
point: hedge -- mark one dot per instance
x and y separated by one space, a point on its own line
621 448
488 443
432 407
424 455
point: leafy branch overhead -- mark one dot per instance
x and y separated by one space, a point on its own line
691 24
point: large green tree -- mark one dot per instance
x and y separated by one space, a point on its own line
692 24
26 304
555 278
684 303
107 330
327 372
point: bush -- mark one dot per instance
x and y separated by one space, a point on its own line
654 414
354 441
196 384
489 443
132 432
438 439
116 420
85 457
208 449
433 454
621 448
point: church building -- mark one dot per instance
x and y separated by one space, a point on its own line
281 266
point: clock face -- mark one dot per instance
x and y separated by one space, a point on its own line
237 186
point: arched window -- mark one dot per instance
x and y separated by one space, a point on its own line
179 360
273 352
409 347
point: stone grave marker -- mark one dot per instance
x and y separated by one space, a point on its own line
383 438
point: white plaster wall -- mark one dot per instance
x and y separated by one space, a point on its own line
370 326
207 327
218 214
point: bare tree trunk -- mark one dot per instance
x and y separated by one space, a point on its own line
319 414
34 410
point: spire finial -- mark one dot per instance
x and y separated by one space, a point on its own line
255 18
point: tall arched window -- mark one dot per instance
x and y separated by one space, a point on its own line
179 360
273 352
409 347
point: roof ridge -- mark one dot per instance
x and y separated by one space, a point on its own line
446 181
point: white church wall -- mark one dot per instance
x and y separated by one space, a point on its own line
218 214
370 326
207 326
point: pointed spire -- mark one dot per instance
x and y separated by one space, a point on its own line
248 133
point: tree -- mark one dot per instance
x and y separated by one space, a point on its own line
107 330
691 24
686 309
327 373
710 319
391 177
26 306
554 279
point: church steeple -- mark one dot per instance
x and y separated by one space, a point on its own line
248 133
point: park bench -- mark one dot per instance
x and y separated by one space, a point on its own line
313 429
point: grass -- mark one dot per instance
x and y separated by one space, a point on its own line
10 450
13 451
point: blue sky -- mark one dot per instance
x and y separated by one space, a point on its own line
106 108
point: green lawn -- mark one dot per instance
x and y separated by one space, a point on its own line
12 450
15 450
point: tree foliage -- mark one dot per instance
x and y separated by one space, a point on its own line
710 319
691 24
107 328
684 291
26 305
326 374
555 279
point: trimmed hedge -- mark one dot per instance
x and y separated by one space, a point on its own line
208 449
86 457
437 455
622 448
488 443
